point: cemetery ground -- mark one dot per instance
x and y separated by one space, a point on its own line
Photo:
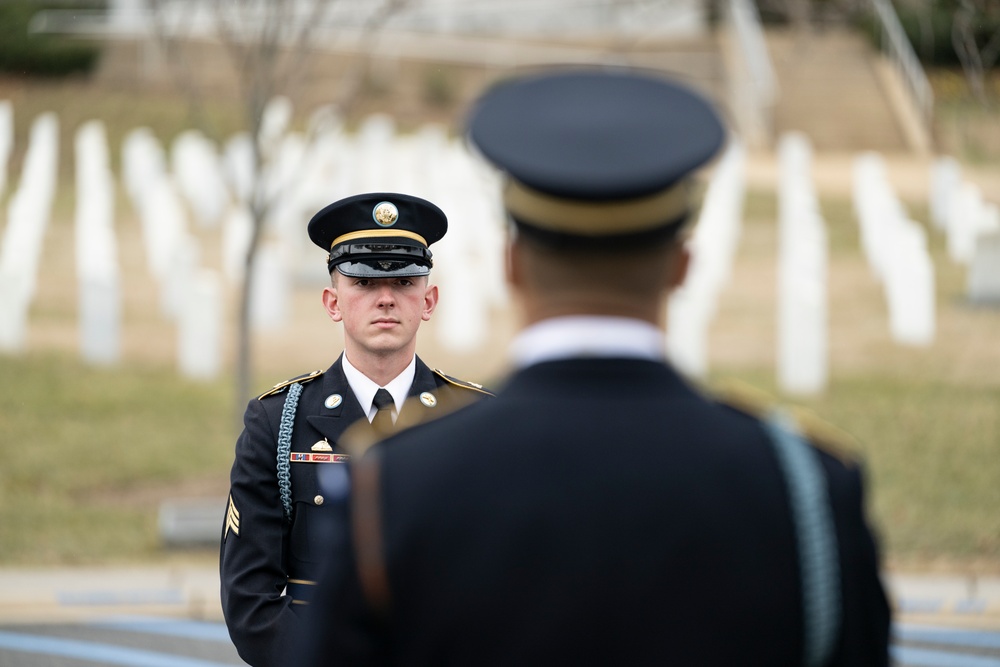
87 454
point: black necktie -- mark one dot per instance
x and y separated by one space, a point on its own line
383 418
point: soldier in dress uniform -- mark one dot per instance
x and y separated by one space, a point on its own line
279 520
602 510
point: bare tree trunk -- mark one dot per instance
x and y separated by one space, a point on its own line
963 39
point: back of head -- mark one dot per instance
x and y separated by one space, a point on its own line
598 165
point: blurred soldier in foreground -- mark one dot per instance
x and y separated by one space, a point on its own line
279 521
601 510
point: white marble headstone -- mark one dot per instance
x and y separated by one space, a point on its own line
713 247
199 337
6 140
272 290
96 248
802 357
27 220
984 270
199 175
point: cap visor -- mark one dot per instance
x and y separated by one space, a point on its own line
382 269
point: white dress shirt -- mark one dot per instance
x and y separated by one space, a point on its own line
587 336
364 388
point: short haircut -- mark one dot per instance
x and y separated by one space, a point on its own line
626 265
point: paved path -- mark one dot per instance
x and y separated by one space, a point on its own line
169 616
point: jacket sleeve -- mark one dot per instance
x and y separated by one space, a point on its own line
866 616
253 558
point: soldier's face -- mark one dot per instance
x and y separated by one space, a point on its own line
380 315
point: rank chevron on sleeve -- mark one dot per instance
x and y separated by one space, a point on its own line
232 519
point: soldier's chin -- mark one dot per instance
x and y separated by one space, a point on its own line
386 341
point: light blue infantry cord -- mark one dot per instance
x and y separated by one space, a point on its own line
285 447
813 519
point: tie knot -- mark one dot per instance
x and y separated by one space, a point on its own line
383 399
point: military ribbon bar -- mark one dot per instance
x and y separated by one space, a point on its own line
306 457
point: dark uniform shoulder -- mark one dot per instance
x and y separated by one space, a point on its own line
761 406
281 386
455 382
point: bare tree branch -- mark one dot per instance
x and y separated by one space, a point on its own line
355 76
180 65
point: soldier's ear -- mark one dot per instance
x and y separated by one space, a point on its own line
331 303
430 302
677 267
513 269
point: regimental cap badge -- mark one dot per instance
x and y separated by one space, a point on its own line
385 214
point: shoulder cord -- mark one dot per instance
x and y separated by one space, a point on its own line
812 516
285 447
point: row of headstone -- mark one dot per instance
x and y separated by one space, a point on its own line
28 213
469 260
197 170
306 172
713 247
189 295
303 174
896 249
971 225
97 265
802 355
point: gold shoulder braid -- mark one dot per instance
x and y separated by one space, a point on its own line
821 434
276 389
455 382
361 435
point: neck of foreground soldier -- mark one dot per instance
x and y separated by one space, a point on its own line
538 305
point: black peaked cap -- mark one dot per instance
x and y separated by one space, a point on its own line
596 152
379 233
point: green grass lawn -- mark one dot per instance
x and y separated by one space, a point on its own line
85 455
930 452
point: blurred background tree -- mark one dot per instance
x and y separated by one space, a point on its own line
267 43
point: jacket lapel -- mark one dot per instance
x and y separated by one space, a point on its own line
332 415
424 393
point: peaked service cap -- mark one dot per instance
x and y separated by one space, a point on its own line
379 234
596 153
